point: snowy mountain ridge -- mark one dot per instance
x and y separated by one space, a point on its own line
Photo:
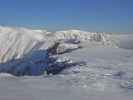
15 42
84 36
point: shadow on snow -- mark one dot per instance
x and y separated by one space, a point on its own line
35 63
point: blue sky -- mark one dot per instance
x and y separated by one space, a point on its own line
90 15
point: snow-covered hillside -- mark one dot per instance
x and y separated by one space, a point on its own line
15 42
88 66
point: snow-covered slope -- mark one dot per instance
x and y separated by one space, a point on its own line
94 68
15 42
